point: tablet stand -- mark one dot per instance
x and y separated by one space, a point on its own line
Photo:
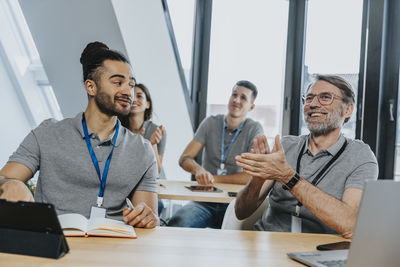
40 244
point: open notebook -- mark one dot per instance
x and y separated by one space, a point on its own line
376 240
74 224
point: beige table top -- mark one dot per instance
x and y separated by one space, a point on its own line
169 189
168 246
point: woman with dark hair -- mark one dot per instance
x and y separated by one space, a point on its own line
138 121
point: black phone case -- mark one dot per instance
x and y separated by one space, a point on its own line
232 194
335 246
196 188
33 229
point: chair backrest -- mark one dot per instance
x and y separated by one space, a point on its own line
231 222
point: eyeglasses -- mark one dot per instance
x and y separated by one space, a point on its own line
324 99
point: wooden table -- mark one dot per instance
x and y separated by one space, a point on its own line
167 246
176 190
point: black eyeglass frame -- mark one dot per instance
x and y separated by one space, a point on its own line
332 96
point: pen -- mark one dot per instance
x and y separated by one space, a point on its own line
129 203
162 185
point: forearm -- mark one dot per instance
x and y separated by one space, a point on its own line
3 180
158 157
251 196
190 165
149 198
333 212
236 178
14 190
144 213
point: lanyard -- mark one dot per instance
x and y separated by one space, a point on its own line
223 153
103 178
319 176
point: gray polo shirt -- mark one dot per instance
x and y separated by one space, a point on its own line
209 134
68 178
149 128
356 164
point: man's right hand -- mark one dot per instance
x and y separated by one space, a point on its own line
204 177
15 190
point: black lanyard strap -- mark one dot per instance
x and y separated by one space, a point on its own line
319 176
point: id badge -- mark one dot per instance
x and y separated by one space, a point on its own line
97 212
296 224
222 172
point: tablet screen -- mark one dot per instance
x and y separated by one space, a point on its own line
29 216
203 188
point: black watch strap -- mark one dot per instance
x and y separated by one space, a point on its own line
292 182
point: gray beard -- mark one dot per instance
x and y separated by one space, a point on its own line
333 121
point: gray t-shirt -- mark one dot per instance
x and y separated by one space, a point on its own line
149 128
68 178
209 134
356 164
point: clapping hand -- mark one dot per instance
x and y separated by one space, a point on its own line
156 137
261 163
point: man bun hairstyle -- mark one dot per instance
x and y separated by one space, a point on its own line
249 85
94 55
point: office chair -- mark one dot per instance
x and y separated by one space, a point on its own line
231 222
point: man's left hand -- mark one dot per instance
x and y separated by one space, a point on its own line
141 216
267 166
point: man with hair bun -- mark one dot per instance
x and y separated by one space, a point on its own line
86 163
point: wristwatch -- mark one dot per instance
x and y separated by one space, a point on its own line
292 182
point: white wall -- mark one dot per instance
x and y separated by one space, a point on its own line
61 29
22 103
146 37
15 125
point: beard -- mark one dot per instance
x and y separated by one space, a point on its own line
333 121
108 106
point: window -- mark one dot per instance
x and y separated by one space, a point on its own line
24 67
182 17
248 42
26 95
397 151
333 39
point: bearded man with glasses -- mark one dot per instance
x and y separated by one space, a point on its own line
315 181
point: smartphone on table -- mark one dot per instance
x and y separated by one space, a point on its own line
232 194
335 246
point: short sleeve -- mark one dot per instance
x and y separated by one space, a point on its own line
201 133
28 153
148 181
367 170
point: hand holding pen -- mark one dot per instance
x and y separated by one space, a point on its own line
139 216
